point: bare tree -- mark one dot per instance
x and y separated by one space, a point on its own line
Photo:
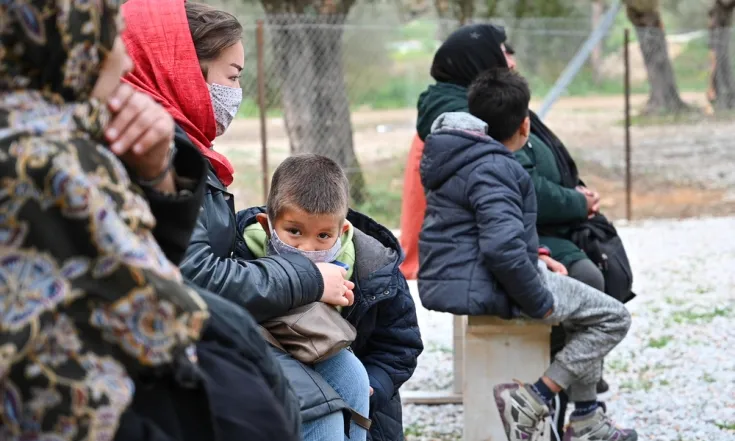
721 92
306 38
664 96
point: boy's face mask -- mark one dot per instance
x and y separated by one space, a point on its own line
277 246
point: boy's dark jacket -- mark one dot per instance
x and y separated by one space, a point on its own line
388 340
478 248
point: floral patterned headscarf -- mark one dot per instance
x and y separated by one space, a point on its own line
55 46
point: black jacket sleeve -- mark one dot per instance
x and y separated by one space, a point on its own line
497 200
176 214
266 287
394 347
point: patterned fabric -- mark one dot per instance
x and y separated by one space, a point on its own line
87 298
225 101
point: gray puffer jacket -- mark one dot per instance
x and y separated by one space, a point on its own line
478 248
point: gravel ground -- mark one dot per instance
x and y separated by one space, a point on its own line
673 378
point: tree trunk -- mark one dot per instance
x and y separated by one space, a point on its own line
721 91
464 11
308 59
446 24
664 96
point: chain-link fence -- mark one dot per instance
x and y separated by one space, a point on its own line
682 139
349 90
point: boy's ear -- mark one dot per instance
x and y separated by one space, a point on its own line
525 130
262 219
345 227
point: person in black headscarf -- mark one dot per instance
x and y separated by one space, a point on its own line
563 200
467 52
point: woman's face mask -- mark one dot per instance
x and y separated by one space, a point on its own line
277 246
225 102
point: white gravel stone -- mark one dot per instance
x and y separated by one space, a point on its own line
673 377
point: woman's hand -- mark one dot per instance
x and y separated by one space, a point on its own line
140 133
554 265
337 290
593 200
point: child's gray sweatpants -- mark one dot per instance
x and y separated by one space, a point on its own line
594 323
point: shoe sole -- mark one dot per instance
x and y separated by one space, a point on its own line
500 404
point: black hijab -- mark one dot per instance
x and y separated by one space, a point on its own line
469 51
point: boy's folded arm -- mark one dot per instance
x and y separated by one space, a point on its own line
495 195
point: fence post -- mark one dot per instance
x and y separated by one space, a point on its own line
628 177
262 107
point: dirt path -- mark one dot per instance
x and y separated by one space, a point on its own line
679 169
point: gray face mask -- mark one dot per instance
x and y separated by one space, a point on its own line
277 246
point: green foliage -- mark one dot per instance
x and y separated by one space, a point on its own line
384 183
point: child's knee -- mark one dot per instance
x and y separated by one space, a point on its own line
359 382
620 321
626 319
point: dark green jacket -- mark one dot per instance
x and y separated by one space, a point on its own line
437 99
558 206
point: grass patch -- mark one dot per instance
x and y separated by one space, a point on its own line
659 343
691 317
729 426
435 347
674 301
707 378
384 191
617 365
639 384
414 430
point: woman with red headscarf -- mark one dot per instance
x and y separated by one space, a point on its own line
189 57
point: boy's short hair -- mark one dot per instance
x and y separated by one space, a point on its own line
500 97
312 183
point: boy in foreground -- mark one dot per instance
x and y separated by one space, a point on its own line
307 213
479 256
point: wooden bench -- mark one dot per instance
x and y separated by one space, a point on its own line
488 351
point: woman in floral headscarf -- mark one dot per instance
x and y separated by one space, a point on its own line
88 301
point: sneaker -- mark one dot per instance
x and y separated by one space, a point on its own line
521 410
597 426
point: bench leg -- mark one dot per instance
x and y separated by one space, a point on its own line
496 353
458 352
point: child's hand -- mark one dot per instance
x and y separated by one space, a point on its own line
337 290
554 265
372 391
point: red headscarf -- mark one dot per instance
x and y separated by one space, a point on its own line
158 40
